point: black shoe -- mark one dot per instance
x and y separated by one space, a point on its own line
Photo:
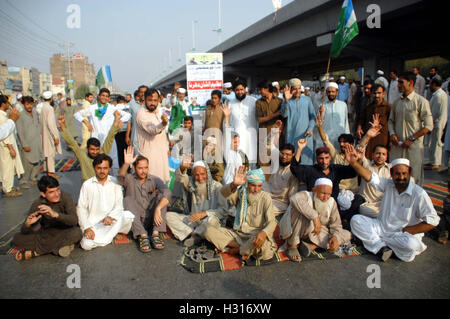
385 253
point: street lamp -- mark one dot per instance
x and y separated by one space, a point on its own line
193 34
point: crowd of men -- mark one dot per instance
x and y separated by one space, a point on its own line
330 167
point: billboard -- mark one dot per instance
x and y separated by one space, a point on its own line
204 73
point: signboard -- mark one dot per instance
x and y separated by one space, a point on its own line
204 73
14 85
70 84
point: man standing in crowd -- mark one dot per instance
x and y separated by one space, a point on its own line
50 136
85 133
419 85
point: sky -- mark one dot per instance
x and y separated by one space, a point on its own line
134 37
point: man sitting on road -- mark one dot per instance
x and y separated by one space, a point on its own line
313 221
406 213
254 223
51 225
100 208
204 204
147 198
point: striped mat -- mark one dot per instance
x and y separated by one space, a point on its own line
233 262
438 192
65 165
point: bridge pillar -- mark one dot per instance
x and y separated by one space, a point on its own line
386 64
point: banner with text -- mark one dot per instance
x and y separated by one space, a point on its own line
204 73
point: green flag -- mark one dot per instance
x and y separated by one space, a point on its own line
346 30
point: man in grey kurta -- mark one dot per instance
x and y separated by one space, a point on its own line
254 223
204 204
409 121
29 136
146 197
438 106
68 110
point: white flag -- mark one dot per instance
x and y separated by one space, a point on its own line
276 4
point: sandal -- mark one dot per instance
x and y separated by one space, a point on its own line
157 242
22 255
144 242
294 255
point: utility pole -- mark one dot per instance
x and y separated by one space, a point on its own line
179 49
193 34
219 28
67 47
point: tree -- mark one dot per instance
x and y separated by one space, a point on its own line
81 91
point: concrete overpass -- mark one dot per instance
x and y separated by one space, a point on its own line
273 51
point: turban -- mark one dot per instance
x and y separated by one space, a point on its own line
323 181
254 176
295 82
401 161
333 85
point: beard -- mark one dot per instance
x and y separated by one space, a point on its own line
253 198
202 190
282 164
151 108
321 207
240 97
402 184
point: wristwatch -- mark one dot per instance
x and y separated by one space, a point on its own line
411 138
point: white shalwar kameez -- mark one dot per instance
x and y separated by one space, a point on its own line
335 123
243 121
103 125
96 202
397 211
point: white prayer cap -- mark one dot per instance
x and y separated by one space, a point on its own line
333 85
295 82
275 83
342 78
227 85
199 164
47 95
307 88
323 181
211 139
169 94
159 92
401 161
302 88
181 90
331 79
379 72
19 96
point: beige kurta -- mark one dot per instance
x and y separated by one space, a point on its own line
259 218
439 108
153 143
408 116
49 131
281 186
339 158
302 216
373 197
8 166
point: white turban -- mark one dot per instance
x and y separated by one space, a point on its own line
47 95
227 85
295 82
401 161
181 90
333 85
323 181
199 164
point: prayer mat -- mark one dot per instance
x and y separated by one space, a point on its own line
65 165
438 192
226 261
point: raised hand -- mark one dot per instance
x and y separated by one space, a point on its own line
319 120
117 115
376 121
374 131
128 155
14 114
226 109
164 119
287 92
360 152
240 176
301 143
186 163
350 154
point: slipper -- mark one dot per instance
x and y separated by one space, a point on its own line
144 242
157 242
305 250
443 237
21 255
294 255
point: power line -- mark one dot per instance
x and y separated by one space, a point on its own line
21 26
29 19
23 41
